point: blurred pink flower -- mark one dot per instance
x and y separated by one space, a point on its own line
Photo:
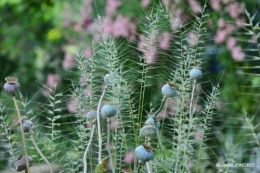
195 6
177 19
162 115
148 52
87 92
111 147
86 9
198 135
150 55
145 3
235 9
86 22
215 4
230 28
120 28
172 106
165 41
237 53
253 39
68 61
113 124
53 80
231 43
166 2
193 38
226 1
46 92
210 23
107 24
220 36
94 29
141 42
240 20
71 105
176 23
88 52
132 31
112 6
221 23
129 157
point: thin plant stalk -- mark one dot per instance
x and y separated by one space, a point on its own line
108 147
155 115
99 126
192 95
39 151
22 132
148 164
139 166
86 151
161 106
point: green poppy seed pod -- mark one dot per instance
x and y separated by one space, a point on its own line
108 111
183 147
20 163
107 78
91 114
111 78
11 84
168 91
195 73
27 126
148 131
143 154
149 121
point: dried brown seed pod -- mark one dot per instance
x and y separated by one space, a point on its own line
20 163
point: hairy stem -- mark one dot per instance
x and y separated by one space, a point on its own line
161 106
86 151
148 164
139 166
159 139
22 131
39 151
192 95
108 147
99 127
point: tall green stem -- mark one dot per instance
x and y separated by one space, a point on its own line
39 151
22 131
161 106
108 146
192 95
99 127
86 151
139 167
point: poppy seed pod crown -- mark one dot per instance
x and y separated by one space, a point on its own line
143 153
168 91
11 84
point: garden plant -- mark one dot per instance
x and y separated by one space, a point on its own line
151 109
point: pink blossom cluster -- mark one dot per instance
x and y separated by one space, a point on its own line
223 36
165 41
121 27
225 29
149 49
52 81
195 6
